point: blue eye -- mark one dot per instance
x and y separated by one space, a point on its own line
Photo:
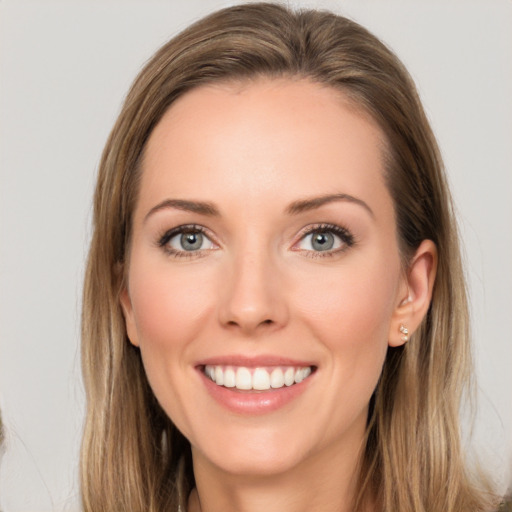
326 239
186 239
193 241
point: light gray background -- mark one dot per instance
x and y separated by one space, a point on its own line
65 67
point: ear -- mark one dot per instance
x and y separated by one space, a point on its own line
414 299
129 320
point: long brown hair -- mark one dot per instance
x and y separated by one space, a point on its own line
133 458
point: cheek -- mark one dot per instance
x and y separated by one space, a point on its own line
351 317
168 305
357 304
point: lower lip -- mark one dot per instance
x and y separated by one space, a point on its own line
254 402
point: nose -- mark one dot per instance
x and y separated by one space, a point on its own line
252 295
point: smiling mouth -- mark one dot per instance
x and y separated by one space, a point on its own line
256 379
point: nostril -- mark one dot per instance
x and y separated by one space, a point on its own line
249 325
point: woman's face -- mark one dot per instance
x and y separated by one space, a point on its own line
264 252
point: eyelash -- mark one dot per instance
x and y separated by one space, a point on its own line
164 240
346 237
342 233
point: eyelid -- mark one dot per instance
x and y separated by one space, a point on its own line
163 240
346 237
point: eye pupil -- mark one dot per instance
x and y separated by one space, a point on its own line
322 241
191 241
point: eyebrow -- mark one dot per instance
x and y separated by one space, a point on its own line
300 206
200 207
312 203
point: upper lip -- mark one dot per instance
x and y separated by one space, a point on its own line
253 361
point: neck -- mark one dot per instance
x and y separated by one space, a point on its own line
326 482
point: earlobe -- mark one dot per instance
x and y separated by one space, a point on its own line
126 306
413 307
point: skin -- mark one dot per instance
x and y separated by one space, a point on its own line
258 286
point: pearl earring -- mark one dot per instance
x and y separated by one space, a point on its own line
405 333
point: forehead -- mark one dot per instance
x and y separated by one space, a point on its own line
276 138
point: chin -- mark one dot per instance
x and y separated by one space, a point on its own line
262 454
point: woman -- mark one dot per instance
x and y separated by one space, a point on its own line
274 307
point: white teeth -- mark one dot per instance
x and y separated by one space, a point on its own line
243 379
219 376
289 376
229 378
301 374
277 378
259 379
